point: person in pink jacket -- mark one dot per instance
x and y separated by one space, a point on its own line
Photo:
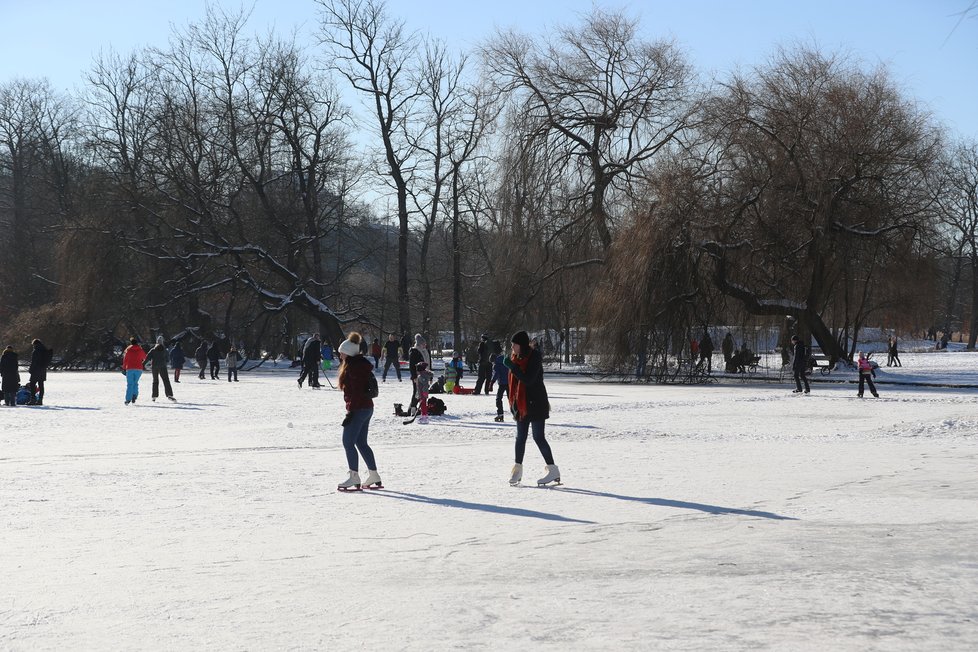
132 366
866 375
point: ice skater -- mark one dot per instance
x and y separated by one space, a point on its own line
799 364
866 375
10 372
356 375
132 366
157 357
530 406
500 375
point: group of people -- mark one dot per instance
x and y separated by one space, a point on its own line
519 376
33 392
135 358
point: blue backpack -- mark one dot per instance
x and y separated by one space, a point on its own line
23 395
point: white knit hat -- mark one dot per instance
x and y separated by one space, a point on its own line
349 348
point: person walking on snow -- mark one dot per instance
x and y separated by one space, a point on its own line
231 361
799 364
485 365
355 375
157 357
893 354
214 357
200 355
866 375
530 406
40 359
10 372
133 360
312 352
500 374
418 354
391 358
177 360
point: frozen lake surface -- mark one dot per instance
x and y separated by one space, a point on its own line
728 516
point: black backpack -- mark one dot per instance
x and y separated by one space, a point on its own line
372 389
436 406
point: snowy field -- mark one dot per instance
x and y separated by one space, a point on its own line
731 516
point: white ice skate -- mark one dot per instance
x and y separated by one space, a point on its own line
373 481
517 474
553 475
350 484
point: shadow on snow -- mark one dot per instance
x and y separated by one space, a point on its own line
681 504
482 507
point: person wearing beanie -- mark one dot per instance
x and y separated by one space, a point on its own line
157 357
10 372
530 406
419 353
356 375
133 360
423 384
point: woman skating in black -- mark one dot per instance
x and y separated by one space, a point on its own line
530 406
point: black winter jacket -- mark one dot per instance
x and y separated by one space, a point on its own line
9 371
537 401
157 357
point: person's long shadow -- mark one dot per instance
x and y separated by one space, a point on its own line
481 507
681 504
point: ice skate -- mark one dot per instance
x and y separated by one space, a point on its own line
499 418
172 399
516 475
350 484
373 481
553 476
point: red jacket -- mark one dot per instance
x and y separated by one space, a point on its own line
358 370
133 358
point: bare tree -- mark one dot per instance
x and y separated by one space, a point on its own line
374 53
601 97
958 203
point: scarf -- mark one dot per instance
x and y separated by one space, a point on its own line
517 389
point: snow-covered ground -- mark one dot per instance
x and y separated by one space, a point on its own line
728 516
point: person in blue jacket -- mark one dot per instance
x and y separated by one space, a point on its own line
500 376
177 360
327 353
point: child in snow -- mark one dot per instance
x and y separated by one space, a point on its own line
866 375
453 372
231 360
423 382
500 375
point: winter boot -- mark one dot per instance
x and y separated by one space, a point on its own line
351 484
373 480
517 474
499 418
553 475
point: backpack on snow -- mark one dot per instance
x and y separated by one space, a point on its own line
436 406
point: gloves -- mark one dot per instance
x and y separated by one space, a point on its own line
509 364
346 421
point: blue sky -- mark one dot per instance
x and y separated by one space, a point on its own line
928 51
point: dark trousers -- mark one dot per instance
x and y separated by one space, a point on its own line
485 376
500 390
392 362
355 439
215 369
10 398
202 363
233 371
800 378
312 372
867 378
37 389
539 436
157 374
